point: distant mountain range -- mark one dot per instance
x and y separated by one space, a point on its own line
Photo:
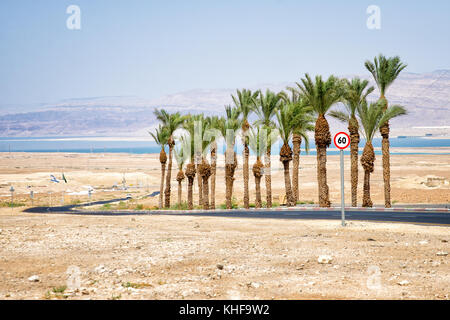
426 96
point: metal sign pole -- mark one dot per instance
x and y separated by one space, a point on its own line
342 141
342 189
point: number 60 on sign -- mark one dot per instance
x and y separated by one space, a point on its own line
341 140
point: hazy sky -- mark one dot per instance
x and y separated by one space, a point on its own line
151 48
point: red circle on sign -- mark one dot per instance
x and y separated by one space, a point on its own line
348 140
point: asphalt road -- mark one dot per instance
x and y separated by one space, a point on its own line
417 217
429 217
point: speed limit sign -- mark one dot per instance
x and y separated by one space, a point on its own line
341 140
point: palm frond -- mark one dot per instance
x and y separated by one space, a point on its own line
265 107
161 135
171 121
374 116
244 101
392 112
340 115
182 151
320 95
385 71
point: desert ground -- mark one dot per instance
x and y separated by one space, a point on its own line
182 257
414 179
57 256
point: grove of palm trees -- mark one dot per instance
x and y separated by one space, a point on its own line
261 119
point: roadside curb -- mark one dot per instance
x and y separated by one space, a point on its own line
306 209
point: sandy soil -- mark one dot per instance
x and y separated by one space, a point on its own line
415 178
176 257
168 257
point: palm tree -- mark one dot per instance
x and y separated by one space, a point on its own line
373 118
190 172
285 126
321 96
195 126
385 71
299 133
228 129
161 137
172 122
204 168
266 106
244 101
355 94
214 124
199 122
257 145
181 155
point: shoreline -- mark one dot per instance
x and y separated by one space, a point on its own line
330 151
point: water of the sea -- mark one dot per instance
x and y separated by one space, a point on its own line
100 145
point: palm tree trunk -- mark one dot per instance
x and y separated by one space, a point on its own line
205 173
367 202
200 188
322 137
290 202
190 193
168 178
230 166
267 173
228 189
258 201
213 174
384 130
161 189
205 193
285 158
162 160
180 188
227 179
322 177
180 178
257 174
233 172
296 142
246 177
354 144
367 162
190 173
